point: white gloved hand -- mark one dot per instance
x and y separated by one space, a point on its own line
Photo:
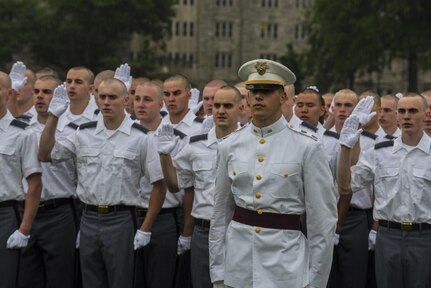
183 244
122 73
218 284
372 239
207 124
78 240
166 140
17 75
336 239
59 102
17 240
332 104
141 239
363 110
195 109
350 133
195 97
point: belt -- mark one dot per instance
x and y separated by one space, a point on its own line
8 203
202 223
104 209
53 203
352 208
141 212
405 226
266 219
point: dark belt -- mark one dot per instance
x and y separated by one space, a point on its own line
266 219
352 208
141 212
104 209
405 226
8 203
202 223
53 203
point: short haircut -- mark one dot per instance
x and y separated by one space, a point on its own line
47 71
111 81
5 80
289 89
32 77
412 94
215 83
180 78
105 74
426 93
376 96
90 74
238 96
156 85
49 78
391 97
314 92
346 91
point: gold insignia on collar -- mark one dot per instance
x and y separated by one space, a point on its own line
261 67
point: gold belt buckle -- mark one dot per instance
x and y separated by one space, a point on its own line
102 209
406 226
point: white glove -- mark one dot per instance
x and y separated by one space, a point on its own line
363 110
17 240
166 140
59 102
122 73
195 109
372 239
336 239
17 75
218 284
141 239
78 240
332 104
350 133
207 124
183 244
195 97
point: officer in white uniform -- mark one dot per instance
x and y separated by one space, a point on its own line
49 258
18 161
268 174
112 155
400 172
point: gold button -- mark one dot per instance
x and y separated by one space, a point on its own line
286 174
262 141
291 126
258 195
260 158
234 173
260 211
258 177
257 229
270 130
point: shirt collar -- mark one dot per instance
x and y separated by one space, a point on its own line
5 121
125 127
212 138
188 118
276 127
87 114
424 144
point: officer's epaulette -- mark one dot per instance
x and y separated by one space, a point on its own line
198 138
140 127
19 124
383 144
199 119
96 112
302 132
73 125
163 113
309 126
91 124
332 134
179 133
369 135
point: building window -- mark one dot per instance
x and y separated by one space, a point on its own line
224 3
230 30
191 29
185 29
269 30
177 28
269 56
217 31
223 60
224 29
296 31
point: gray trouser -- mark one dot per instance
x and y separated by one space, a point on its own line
155 263
106 249
49 258
403 259
199 252
9 258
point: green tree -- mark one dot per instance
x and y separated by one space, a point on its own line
296 62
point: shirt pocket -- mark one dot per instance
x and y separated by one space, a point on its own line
89 160
387 181
124 161
285 180
240 178
8 157
421 186
203 173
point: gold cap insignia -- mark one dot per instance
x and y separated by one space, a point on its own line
261 67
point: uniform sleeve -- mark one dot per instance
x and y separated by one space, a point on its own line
29 162
151 162
321 209
224 207
183 164
362 173
64 148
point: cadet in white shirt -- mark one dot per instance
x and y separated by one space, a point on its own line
49 258
388 117
112 155
400 171
268 174
18 161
